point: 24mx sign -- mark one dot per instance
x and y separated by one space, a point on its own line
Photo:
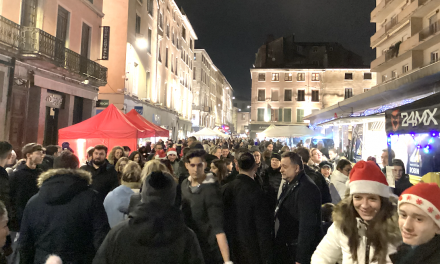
415 119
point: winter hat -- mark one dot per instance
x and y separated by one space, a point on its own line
253 149
66 145
160 186
325 164
425 196
172 151
276 156
160 154
366 177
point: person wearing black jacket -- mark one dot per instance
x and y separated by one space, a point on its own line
272 180
298 214
401 178
66 217
317 177
202 209
261 166
248 221
104 175
155 232
5 153
23 183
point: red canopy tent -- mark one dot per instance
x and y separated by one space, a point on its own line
110 128
142 123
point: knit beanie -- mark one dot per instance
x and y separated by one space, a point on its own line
159 186
276 156
160 154
172 151
366 177
425 196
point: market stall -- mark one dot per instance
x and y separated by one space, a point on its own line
206 133
413 135
289 131
110 128
153 132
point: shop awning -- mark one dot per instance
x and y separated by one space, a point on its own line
353 120
151 129
289 131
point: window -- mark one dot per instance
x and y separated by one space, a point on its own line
29 13
261 95
274 95
301 77
159 56
393 74
176 64
148 81
172 68
434 56
275 77
384 78
172 38
348 76
150 7
168 31
366 89
261 77
288 77
367 76
300 115
315 77
287 95
62 23
149 41
191 44
183 33
260 115
274 114
315 96
348 93
160 20
85 42
287 115
194 73
138 24
405 68
301 95
166 57
280 115
315 49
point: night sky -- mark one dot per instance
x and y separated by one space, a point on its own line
231 31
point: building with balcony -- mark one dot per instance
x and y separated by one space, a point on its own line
295 79
243 119
150 62
212 94
49 77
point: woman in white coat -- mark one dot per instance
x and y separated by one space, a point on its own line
365 227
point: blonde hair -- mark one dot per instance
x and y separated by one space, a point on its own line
152 166
132 172
111 156
118 164
214 150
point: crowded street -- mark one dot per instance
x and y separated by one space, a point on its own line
219 132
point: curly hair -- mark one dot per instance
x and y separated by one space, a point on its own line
111 157
382 229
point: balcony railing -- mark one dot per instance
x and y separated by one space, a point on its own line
36 42
430 30
9 33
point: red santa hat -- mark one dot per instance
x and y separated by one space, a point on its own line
160 154
366 177
172 151
425 196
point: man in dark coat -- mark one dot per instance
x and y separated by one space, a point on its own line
401 178
248 220
5 153
155 233
157 147
65 218
104 175
272 180
261 166
317 177
23 183
419 223
298 214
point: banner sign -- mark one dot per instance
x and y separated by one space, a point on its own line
105 42
421 116
139 109
102 103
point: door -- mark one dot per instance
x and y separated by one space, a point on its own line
62 23
85 44
433 24
18 118
51 129
78 110
29 13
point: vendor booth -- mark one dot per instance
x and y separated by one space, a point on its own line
110 128
207 133
413 135
153 132
289 131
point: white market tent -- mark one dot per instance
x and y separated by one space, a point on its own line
206 132
220 134
289 131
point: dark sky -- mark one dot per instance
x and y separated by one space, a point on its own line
231 31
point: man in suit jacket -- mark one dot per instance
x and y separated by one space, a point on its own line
298 214
248 220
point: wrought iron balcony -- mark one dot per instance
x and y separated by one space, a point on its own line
34 42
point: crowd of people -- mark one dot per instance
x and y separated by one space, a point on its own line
212 201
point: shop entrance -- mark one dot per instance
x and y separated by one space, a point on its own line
51 129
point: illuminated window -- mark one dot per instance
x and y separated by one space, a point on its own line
315 77
288 77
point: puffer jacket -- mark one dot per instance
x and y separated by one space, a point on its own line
339 180
334 247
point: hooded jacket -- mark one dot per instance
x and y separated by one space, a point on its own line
202 209
105 178
154 234
116 203
271 184
339 180
334 247
65 218
402 184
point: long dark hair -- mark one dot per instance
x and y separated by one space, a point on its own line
382 229
222 170
133 154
